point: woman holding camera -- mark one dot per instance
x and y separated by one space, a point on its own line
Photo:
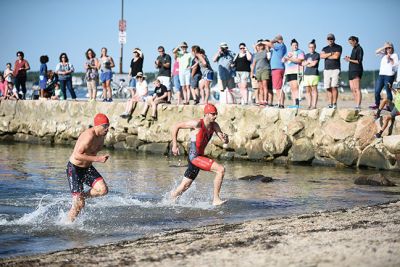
92 73
64 70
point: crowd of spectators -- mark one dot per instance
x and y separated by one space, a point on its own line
254 75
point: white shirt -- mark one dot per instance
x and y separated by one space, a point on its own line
387 68
141 88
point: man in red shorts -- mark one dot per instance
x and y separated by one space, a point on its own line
202 131
80 169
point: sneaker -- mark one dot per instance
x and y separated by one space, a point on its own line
153 118
110 100
334 106
378 135
104 100
168 102
357 108
373 107
330 106
124 115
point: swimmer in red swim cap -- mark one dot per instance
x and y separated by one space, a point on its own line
202 131
80 169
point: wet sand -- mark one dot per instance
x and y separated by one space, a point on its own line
366 236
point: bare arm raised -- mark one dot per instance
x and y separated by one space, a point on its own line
223 136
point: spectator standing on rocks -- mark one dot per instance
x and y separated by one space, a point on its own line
355 70
3 87
261 70
224 57
294 70
43 75
135 67
278 51
195 79
92 73
176 85
387 71
64 71
242 62
21 66
163 64
8 73
331 53
395 110
206 72
185 60
311 75
106 63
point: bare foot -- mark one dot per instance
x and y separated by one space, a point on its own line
218 202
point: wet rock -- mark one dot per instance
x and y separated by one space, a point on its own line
344 153
258 177
374 180
154 148
377 156
302 150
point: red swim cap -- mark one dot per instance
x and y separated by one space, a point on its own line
100 119
210 108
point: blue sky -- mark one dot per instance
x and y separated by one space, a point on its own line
50 27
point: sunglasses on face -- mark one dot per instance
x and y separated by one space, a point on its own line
242 47
330 39
213 114
105 126
160 51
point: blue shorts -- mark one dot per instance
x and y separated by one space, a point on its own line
194 81
176 83
105 76
209 76
132 82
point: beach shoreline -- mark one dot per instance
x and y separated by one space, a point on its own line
361 236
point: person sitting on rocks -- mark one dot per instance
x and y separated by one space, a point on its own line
139 94
393 106
160 96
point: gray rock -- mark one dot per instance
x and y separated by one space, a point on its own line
257 177
374 180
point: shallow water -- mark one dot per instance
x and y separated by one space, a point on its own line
35 198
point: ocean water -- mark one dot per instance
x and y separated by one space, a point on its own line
35 197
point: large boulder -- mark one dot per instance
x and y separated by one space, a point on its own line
374 179
365 130
344 152
339 129
348 115
302 150
392 143
377 156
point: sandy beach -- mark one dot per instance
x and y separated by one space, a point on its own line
366 236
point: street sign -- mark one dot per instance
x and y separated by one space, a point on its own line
122 25
122 37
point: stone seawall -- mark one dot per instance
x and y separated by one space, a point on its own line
321 136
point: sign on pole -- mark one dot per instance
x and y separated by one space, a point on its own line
122 25
122 37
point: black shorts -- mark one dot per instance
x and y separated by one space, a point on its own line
355 74
192 171
77 176
291 77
